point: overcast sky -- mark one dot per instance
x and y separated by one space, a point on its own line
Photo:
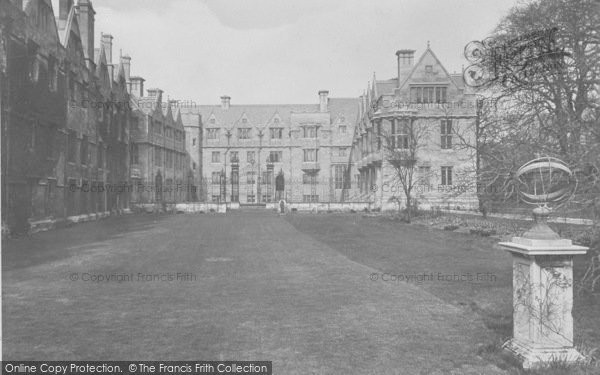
278 51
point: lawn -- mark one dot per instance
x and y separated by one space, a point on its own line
264 291
397 248
297 289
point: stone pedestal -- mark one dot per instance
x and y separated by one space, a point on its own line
542 296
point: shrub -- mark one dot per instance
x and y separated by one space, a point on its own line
487 232
590 281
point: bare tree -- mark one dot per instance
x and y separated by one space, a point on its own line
401 149
501 144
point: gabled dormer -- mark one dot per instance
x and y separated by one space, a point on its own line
178 123
40 15
154 98
78 78
276 128
213 132
168 114
102 73
212 120
120 79
428 81
275 120
428 69
243 129
244 121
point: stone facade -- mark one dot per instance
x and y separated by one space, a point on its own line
193 144
159 161
254 154
64 116
427 113
81 140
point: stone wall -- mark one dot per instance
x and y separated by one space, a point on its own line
193 207
324 207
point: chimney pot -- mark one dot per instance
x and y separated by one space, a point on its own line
405 63
107 44
225 102
85 16
136 86
323 100
152 93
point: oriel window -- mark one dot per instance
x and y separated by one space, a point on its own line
400 134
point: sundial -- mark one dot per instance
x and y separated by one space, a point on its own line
546 183
543 269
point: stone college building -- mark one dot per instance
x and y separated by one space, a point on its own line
256 154
427 117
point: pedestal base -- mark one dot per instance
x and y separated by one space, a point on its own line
532 357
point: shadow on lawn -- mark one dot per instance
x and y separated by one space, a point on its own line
43 247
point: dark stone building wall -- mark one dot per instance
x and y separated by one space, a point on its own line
65 122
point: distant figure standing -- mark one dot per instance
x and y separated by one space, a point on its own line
282 206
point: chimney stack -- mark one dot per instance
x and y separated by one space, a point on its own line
107 44
174 104
86 19
323 100
225 102
405 63
136 86
153 93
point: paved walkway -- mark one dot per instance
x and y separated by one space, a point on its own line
261 291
